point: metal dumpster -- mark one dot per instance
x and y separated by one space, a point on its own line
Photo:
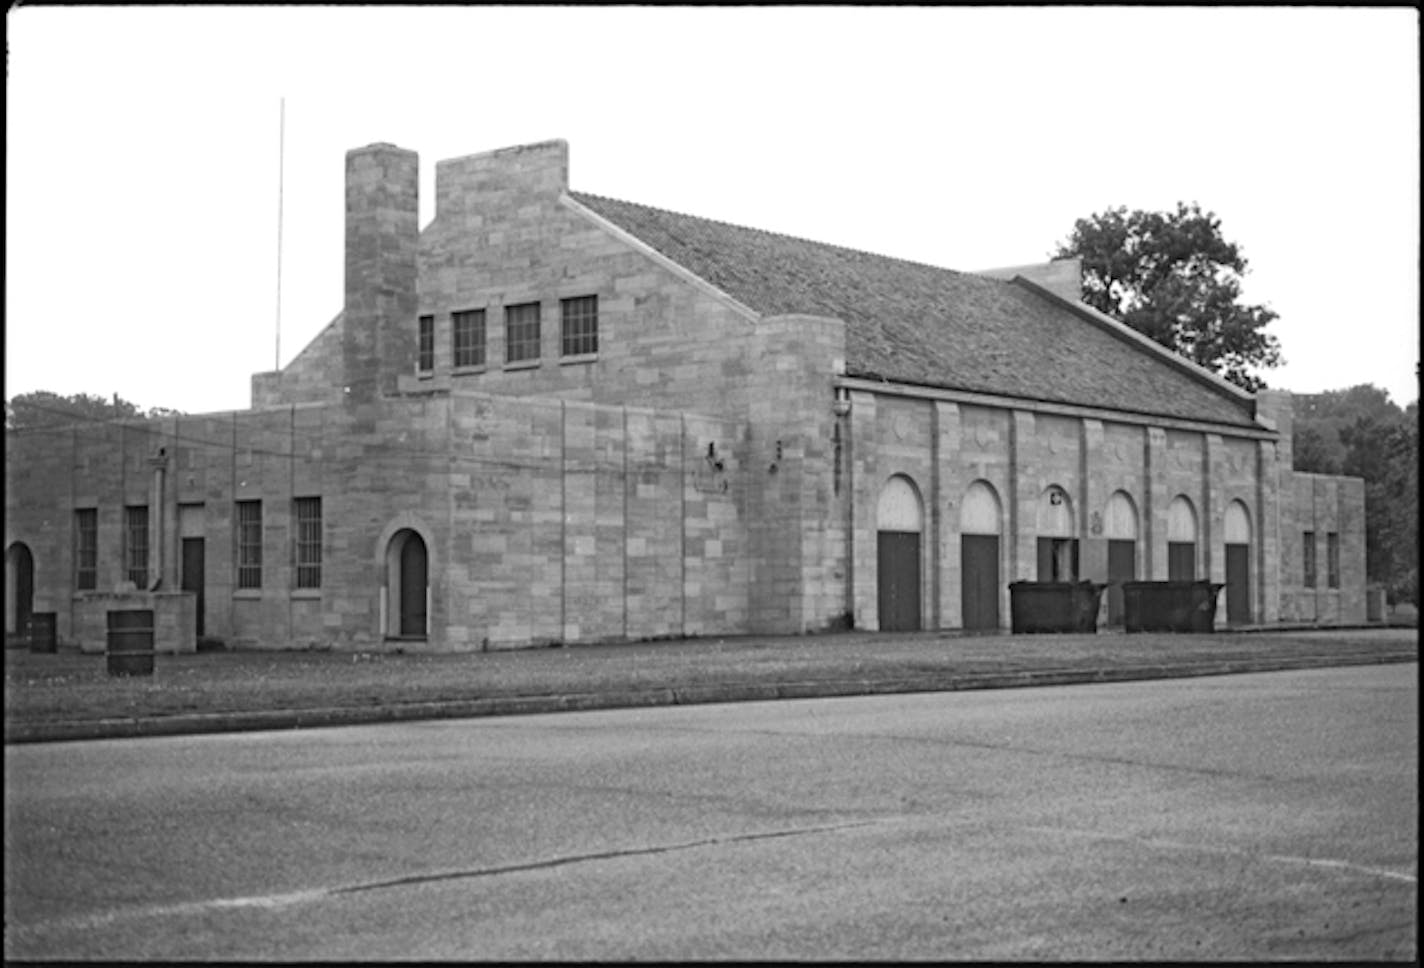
41 630
1055 606
1170 606
130 642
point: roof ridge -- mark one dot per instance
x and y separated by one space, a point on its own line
782 235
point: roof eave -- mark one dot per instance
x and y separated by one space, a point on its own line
1132 337
661 258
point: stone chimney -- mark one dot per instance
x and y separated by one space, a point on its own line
1278 407
501 180
1061 276
382 227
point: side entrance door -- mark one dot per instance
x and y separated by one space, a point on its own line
898 558
412 586
1122 567
979 580
193 574
1238 584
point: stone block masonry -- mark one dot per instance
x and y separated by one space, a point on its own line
543 520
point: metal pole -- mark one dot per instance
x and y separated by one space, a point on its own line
281 172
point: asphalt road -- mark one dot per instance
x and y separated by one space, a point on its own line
1253 816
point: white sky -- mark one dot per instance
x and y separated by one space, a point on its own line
143 155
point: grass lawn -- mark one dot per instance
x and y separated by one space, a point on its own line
68 686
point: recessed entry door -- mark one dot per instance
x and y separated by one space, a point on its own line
979 581
898 558
1122 567
193 555
412 585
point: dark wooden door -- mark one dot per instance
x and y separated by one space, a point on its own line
898 557
1122 566
193 580
979 580
1181 561
412 586
22 563
1238 583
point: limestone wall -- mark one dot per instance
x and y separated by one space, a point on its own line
545 520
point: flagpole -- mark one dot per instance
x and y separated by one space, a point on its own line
281 172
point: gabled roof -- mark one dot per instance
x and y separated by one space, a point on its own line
917 324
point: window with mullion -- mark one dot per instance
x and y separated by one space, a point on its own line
580 325
469 337
425 361
86 548
249 544
308 517
136 545
521 332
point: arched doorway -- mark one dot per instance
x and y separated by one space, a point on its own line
19 587
1120 528
900 521
1181 540
1057 537
407 581
1238 563
980 524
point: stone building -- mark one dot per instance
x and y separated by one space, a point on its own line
553 417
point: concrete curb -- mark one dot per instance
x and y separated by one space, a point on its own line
194 724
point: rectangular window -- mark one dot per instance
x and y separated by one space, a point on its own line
307 511
425 359
136 545
521 332
469 336
249 544
86 549
1332 559
580 325
1307 548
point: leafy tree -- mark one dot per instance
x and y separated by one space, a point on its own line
45 409
1316 450
1172 277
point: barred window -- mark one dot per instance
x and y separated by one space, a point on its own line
86 548
1308 557
469 337
425 351
580 317
249 544
1332 559
136 545
307 511
521 332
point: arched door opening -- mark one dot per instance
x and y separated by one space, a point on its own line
1057 537
1120 528
1238 564
900 521
1181 540
19 588
407 586
980 524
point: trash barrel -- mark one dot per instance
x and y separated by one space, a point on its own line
130 644
1054 606
41 631
1170 606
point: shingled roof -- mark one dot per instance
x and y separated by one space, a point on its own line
917 324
